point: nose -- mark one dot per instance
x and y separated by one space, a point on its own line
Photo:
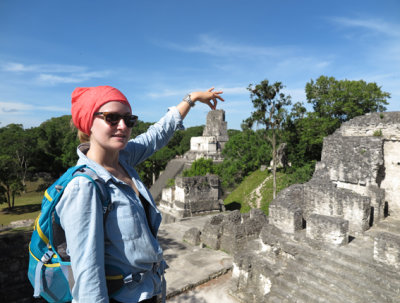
121 124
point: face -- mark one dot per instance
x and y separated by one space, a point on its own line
110 137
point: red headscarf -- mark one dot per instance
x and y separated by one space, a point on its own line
87 100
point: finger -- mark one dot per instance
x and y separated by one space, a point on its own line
215 103
212 106
211 89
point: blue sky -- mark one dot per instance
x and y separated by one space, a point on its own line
157 51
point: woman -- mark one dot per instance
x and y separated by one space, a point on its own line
127 243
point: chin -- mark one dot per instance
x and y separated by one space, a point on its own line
119 145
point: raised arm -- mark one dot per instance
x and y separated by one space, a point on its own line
209 97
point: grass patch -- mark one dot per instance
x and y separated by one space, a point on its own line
27 206
282 181
237 198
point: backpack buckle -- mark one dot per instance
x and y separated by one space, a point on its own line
133 279
47 257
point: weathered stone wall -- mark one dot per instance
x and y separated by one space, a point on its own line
14 259
354 187
196 189
191 196
215 135
204 144
216 125
231 231
354 160
385 124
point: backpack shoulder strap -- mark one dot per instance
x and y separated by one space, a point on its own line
100 186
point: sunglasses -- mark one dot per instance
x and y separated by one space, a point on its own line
114 118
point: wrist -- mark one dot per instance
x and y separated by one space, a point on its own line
189 99
194 96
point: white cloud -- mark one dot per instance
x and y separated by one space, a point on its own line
51 79
218 47
53 74
374 25
42 68
19 107
167 93
164 93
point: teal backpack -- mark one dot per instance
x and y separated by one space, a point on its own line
49 265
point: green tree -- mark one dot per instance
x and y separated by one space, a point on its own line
334 102
200 167
56 146
10 183
345 99
244 153
270 111
18 144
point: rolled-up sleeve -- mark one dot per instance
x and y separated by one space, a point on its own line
156 137
81 217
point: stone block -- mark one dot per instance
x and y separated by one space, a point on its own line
387 249
216 125
204 144
331 230
354 160
377 196
168 194
320 196
254 223
201 188
192 236
356 209
233 238
285 215
212 231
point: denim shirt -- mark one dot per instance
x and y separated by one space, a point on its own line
127 244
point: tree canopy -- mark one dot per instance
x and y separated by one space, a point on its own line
344 99
334 102
270 111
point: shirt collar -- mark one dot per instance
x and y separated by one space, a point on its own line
83 159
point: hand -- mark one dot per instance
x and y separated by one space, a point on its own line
207 96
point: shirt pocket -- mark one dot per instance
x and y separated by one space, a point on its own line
124 224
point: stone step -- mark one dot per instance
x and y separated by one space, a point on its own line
389 225
301 292
327 280
356 263
343 283
366 267
273 298
357 256
354 269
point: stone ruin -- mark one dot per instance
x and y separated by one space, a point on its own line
333 239
215 135
191 196
195 195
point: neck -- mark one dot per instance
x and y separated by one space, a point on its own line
103 157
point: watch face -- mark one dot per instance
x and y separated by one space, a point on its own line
188 100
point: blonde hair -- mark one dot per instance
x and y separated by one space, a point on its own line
83 138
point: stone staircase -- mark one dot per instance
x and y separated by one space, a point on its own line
314 272
339 274
173 168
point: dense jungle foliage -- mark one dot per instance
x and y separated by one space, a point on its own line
49 149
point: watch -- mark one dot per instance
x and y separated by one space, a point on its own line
189 100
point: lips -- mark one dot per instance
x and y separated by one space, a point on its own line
119 136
